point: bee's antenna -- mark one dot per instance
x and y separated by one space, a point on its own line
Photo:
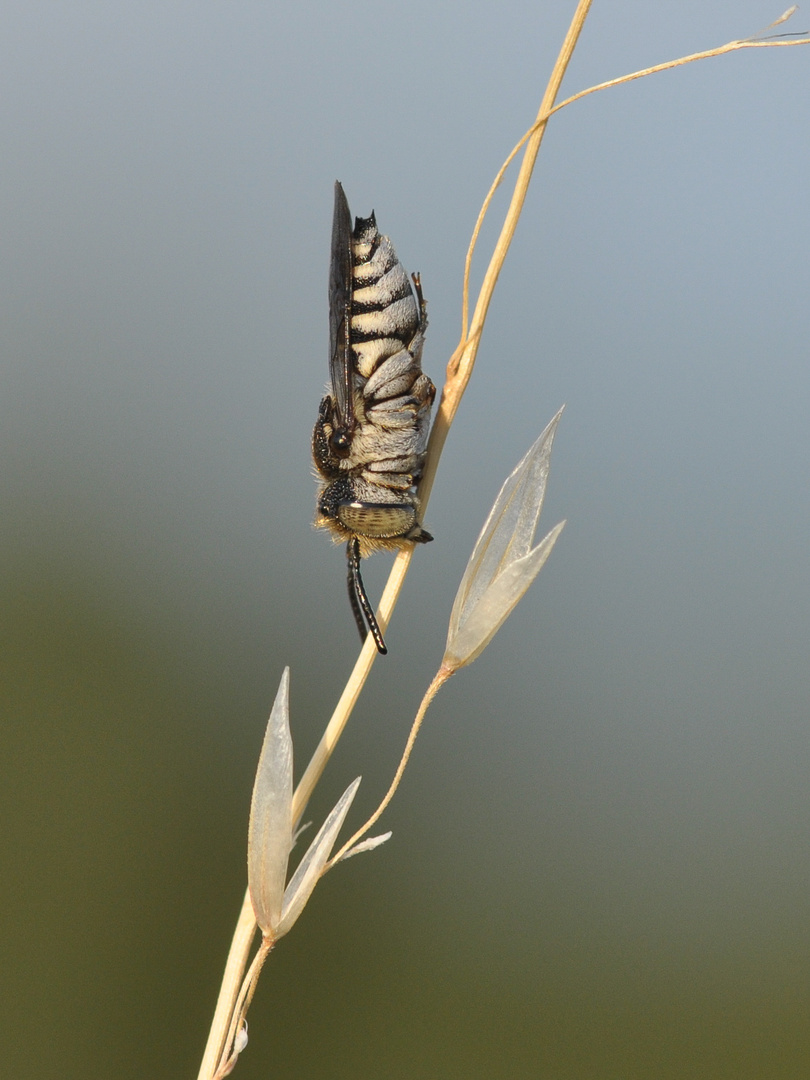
359 600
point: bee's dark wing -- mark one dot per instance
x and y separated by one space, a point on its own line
340 310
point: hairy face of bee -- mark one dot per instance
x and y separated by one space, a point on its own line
371 434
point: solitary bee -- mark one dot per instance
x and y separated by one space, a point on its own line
370 438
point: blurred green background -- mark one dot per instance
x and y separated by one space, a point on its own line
601 850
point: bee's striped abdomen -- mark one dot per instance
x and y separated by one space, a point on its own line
385 315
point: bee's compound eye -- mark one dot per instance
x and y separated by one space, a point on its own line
340 442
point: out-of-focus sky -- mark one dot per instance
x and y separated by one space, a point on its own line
601 855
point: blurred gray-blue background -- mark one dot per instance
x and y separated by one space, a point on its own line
601 856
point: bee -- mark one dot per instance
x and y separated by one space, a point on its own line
370 437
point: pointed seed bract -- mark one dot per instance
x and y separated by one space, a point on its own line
503 564
270 828
309 869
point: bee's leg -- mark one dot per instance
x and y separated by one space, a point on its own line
354 571
359 600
